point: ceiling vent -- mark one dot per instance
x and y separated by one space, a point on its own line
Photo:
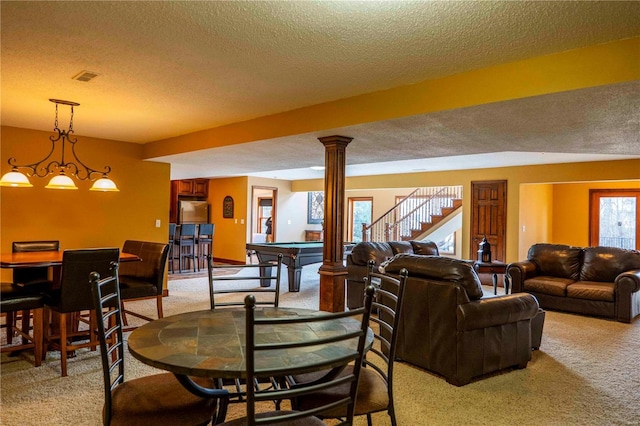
86 76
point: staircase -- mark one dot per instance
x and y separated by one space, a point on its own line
419 213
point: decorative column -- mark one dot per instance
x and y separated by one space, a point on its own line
333 272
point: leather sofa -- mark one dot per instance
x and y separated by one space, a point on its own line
378 252
598 281
449 327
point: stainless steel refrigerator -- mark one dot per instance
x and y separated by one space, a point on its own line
194 212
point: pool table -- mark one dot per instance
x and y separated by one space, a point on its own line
294 255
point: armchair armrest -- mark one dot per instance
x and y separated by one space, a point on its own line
518 272
493 311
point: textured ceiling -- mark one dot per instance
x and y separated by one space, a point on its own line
171 68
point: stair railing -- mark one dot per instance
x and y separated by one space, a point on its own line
416 208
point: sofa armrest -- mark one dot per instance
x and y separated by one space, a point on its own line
494 311
628 282
518 272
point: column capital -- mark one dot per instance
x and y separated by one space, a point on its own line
335 140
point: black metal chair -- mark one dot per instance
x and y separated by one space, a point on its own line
143 279
151 400
375 391
72 298
229 291
244 281
187 245
330 383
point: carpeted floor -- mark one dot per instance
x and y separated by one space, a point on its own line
585 373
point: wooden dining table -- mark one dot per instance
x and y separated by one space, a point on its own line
211 343
44 258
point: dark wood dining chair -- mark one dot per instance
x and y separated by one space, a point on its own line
375 391
151 400
14 298
142 279
32 280
260 354
71 299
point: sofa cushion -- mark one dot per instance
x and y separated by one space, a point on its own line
556 260
401 247
436 267
591 290
363 252
548 285
425 248
604 264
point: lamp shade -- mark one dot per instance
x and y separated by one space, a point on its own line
61 181
104 184
15 179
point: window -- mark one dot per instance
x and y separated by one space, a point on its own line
360 212
614 220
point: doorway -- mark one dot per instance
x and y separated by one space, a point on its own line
488 217
263 206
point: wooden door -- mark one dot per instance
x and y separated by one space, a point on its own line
488 217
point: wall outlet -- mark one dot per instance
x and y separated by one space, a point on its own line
289 222
157 223
235 221
241 221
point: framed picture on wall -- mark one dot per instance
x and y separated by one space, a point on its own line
315 212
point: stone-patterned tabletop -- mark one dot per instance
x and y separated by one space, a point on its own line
211 343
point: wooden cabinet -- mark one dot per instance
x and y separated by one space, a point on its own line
312 235
193 187
188 189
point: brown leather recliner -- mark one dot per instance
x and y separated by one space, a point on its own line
449 327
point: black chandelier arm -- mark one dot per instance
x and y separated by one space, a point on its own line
87 173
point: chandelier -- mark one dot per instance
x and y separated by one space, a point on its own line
64 169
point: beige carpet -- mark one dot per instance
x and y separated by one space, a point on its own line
586 373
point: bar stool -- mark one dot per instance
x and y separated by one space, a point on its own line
173 228
187 245
205 242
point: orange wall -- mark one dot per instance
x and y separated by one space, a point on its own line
229 240
536 216
83 218
571 210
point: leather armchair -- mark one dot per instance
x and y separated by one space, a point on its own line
449 327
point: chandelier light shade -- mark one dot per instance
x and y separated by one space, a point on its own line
65 167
